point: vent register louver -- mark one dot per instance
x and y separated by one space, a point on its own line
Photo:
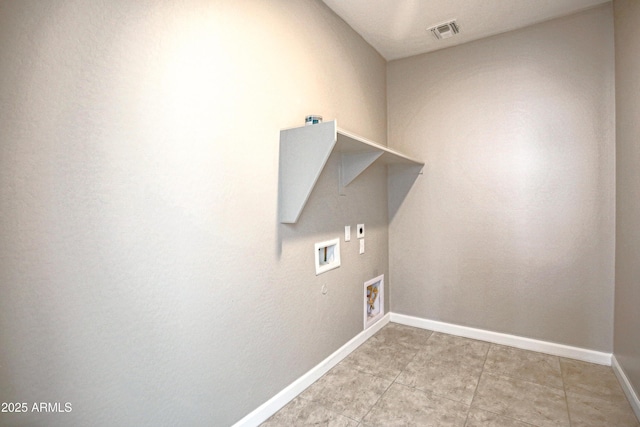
445 30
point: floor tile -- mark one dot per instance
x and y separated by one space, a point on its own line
480 418
588 411
403 336
405 406
462 350
442 376
523 400
526 365
302 412
409 376
590 380
385 361
347 391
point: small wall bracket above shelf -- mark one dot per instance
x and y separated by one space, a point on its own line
304 152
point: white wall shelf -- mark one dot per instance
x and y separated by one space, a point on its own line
304 152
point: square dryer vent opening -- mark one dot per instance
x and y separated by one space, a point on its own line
373 300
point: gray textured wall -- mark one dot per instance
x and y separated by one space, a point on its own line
627 306
511 228
144 277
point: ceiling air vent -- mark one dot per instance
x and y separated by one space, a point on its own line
445 30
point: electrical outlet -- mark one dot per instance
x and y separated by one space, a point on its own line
347 233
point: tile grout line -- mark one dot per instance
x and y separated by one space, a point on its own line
435 394
475 391
390 384
515 378
310 400
527 380
564 388
396 377
394 381
379 398
442 396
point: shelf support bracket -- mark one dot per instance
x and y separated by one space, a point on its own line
304 152
353 164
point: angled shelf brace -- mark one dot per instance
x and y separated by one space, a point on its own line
304 152
353 164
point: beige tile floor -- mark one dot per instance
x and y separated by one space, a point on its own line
404 376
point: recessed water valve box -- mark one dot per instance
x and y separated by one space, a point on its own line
327 255
360 231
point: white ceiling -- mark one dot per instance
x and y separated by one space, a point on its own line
398 28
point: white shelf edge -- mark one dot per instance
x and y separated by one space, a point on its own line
304 151
376 146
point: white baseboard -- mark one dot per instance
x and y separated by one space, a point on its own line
506 339
277 402
626 386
